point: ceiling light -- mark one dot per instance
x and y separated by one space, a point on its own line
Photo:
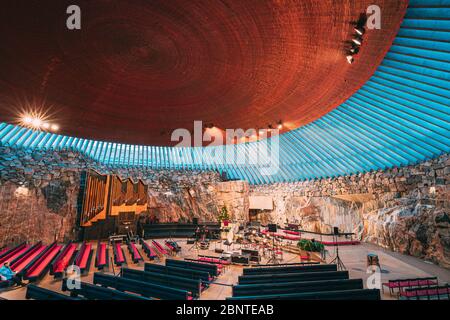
280 125
359 31
36 122
357 41
350 59
27 120
46 125
54 127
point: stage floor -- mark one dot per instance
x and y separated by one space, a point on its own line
393 266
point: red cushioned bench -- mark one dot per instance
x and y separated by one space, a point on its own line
159 248
119 256
3 251
151 254
340 243
101 259
295 233
43 263
83 258
402 284
135 254
13 254
63 260
432 293
21 264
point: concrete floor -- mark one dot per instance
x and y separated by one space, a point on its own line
393 266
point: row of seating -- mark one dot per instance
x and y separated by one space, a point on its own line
212 269
43 263
119 256
38 293
159 248
204 276
22 263
290 269
102 256
148 250
193 286
359 294
14 253
322 282
172 246
134 252
62 261
94 292
145 289
431 293
401 284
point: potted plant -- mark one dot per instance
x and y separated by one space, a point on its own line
310 249
223 217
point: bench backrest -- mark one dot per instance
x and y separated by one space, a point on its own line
290 277
191 285
212 269
359 294
180 272
144 288
93 292
38 293
296 287
290 269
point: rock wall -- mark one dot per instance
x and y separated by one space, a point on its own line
39 191
404 209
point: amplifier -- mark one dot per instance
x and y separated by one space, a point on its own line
239 259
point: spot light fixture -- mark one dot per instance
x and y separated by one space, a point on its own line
280 125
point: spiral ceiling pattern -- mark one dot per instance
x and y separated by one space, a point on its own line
138 69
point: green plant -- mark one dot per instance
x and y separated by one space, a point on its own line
311 246
224 214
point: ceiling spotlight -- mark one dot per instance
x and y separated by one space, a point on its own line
350 59
54 127
280 125
27 120
359 31
354 50
357 41
36 122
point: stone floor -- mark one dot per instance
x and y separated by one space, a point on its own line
393 266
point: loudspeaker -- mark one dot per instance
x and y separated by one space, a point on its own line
195 221
272 227
336 230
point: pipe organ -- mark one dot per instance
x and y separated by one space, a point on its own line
108 195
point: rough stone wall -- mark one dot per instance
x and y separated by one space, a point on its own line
404 209
39 190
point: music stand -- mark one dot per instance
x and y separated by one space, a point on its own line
337 260
273 259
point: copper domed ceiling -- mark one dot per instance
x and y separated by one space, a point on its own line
139 69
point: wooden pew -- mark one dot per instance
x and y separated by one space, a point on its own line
212 269
296 287
102 256
93 292
143 288
39 293
134 252
290 269
185 273
190 285
151 254
291 277
62 261
43 263
358 294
